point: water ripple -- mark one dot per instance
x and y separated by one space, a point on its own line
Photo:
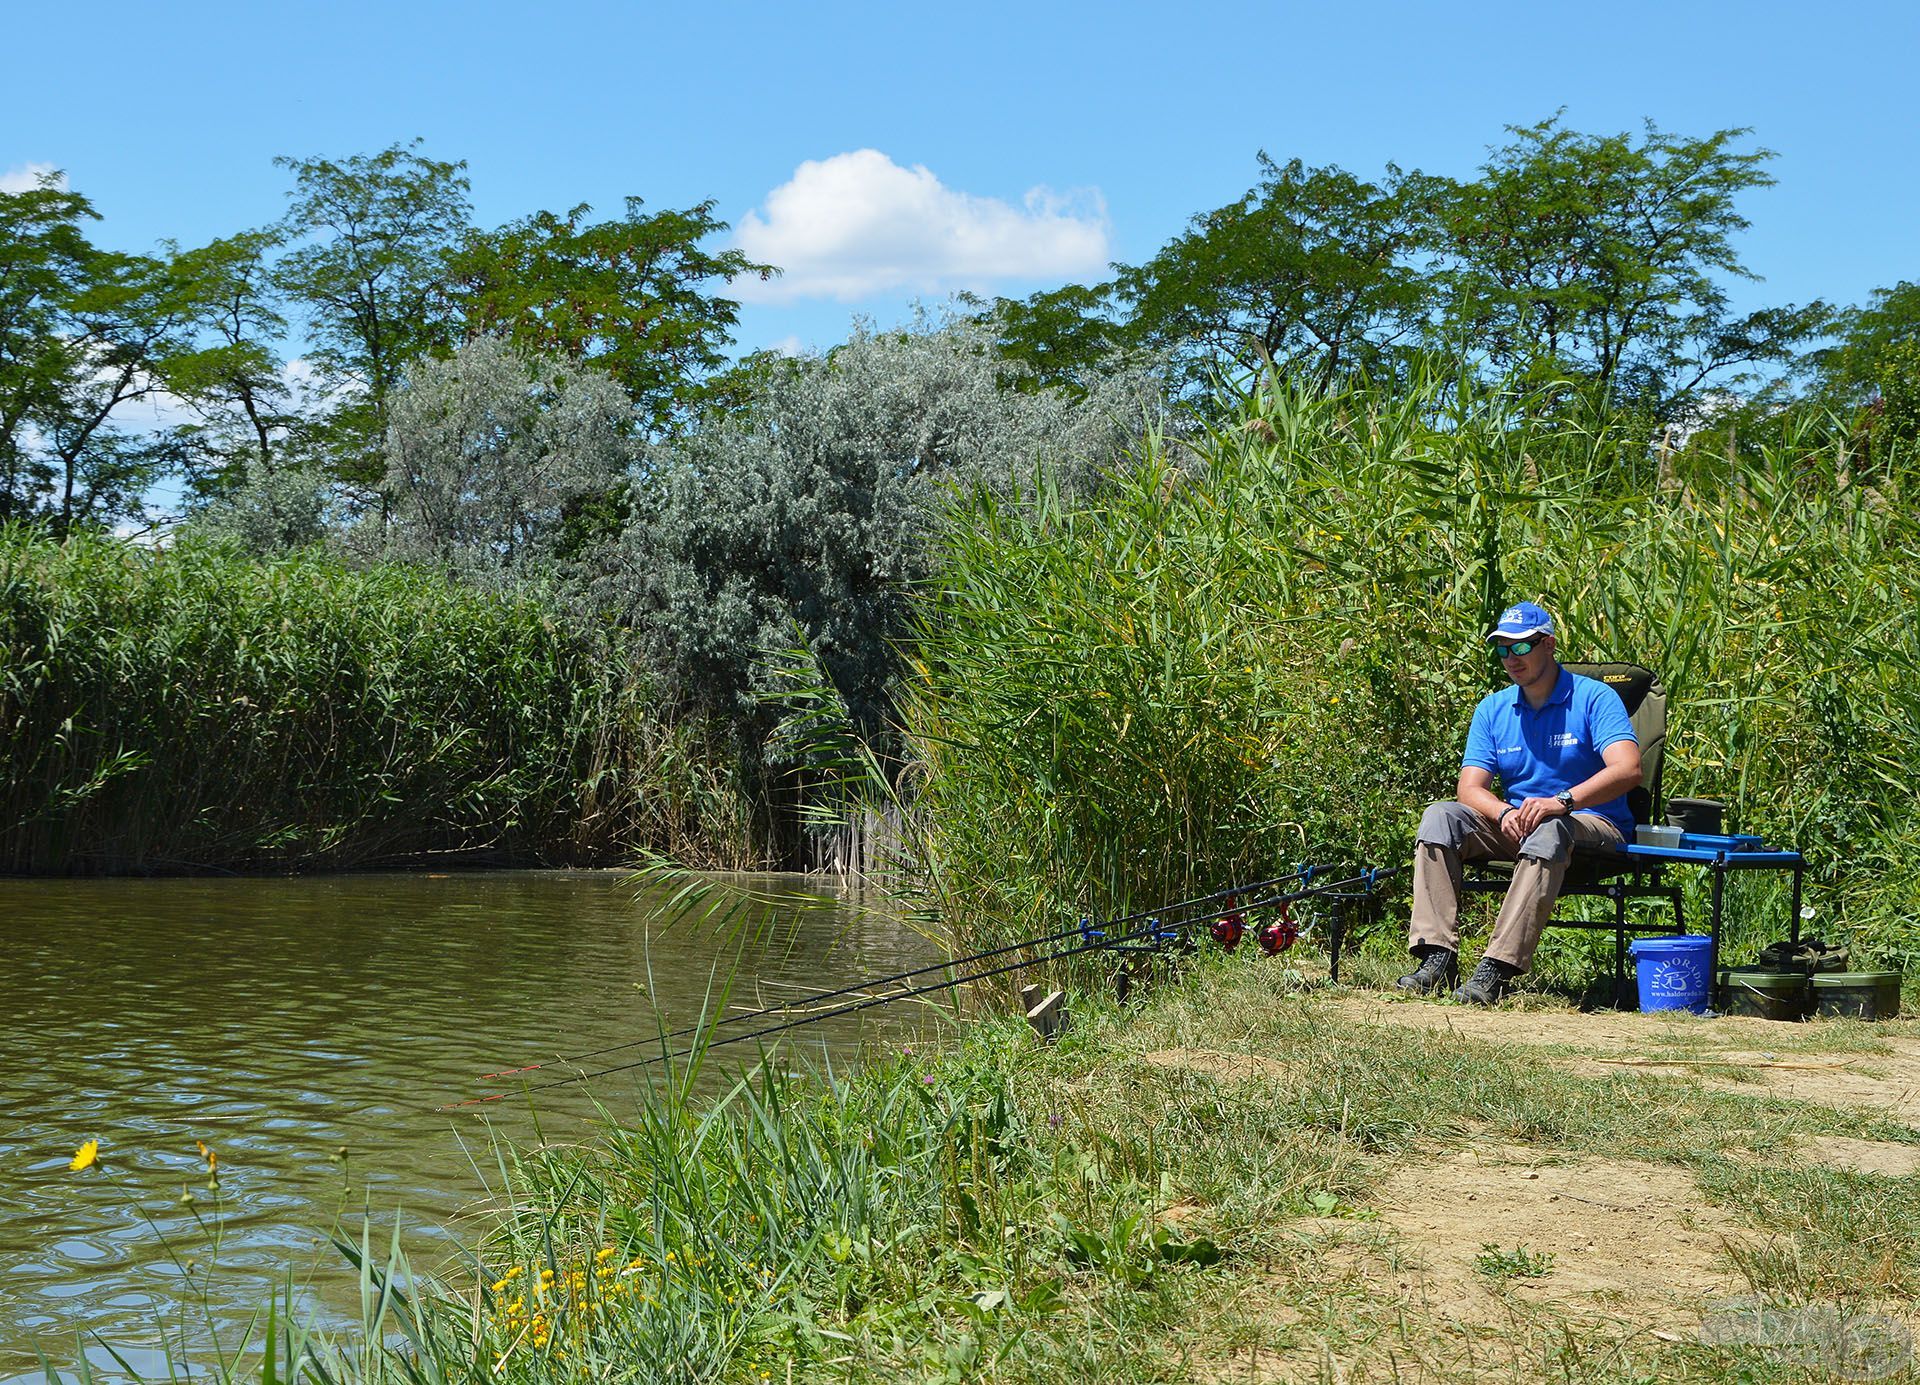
282 1021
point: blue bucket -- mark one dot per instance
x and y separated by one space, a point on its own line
1672 972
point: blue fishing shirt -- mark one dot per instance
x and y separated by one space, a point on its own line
1536 752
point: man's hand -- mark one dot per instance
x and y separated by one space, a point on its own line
1530 815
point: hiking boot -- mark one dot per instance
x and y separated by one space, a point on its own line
1487 985
1439 968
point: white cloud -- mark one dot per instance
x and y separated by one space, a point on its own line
27 177
859 224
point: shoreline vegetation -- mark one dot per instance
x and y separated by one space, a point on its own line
1244 1175
1258 645
194 708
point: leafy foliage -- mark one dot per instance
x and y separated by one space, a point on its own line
1314 273
85 333
488 452
369 235
812 508
1604 260
627 297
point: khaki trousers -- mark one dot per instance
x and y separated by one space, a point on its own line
1451 833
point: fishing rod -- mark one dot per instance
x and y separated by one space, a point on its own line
1153 929
1080 929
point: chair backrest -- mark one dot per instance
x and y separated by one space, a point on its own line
1646 699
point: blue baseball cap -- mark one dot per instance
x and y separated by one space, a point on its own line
1522 622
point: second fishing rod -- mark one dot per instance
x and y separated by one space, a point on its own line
1154 929
1044 940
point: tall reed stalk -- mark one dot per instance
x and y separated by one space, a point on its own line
193 708
1262 646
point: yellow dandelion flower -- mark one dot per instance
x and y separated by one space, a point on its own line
85 1156
605 1252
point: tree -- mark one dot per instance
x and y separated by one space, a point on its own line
372 234
489 451
84 334
1060 338
813 508
250 423
1312 273
45 259
1868 345
1601 260
634 298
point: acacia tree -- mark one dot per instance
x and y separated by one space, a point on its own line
1060 338
1870 370
1603 260
370 235
634 298
44 263
85 333
1313 273
250 424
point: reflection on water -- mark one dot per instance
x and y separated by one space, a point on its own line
310 1032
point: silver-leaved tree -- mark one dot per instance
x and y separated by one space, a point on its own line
491 452
807 513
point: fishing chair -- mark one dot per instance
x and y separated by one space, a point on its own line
1601 873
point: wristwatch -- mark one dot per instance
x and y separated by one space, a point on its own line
1566 799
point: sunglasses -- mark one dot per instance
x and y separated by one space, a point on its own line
1519 649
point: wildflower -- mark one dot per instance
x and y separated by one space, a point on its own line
213 1160
85 1156
604 1253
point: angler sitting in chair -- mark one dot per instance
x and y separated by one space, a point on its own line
1564 751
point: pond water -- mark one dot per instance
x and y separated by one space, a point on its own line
310 1033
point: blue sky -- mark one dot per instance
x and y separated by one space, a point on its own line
893 153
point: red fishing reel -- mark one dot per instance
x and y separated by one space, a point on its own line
1230 927
1276 937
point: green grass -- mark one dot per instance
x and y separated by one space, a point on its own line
998 1209
1518 1263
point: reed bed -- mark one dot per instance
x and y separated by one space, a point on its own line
194 708
1261 646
